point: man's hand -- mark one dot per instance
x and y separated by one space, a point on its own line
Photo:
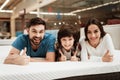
23 59
19 59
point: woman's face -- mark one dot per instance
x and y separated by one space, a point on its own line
93 35
67 42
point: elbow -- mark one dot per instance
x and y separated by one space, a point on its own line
50 60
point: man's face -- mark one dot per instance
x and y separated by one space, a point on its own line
36 33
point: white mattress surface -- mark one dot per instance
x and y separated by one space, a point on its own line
54 70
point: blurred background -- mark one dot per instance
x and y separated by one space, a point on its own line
15 14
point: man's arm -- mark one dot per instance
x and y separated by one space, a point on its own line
50 57
14 57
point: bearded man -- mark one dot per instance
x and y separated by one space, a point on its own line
32 47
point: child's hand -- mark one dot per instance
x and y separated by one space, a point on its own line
74 58
63 57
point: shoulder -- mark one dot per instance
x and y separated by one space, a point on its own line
107 36
82 40
84 43
49 36
48 39
20 42
22 37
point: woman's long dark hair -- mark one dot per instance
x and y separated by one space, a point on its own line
96 22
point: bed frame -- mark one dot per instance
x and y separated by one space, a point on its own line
105 76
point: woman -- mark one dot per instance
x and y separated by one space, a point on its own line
67 46
97 45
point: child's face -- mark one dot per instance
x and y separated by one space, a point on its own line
67 42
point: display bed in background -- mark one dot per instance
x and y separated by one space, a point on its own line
6 42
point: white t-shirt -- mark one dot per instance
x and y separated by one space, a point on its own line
96 53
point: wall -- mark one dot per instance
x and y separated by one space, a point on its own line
114 31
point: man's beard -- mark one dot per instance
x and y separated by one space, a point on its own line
36 40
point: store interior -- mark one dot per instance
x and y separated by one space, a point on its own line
15 14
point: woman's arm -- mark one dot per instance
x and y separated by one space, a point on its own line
109 44
84 54
108 55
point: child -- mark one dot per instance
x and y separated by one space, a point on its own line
67 46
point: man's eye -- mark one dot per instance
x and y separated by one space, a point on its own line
34 31
41 32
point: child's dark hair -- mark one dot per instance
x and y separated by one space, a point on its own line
68 31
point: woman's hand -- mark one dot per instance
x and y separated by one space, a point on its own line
107 57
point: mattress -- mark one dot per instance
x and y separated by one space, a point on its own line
55 70
59 70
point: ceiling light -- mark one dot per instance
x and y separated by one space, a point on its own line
6 11
94 7
59 23
55 24
75 23
52 13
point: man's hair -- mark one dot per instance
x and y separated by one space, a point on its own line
36 21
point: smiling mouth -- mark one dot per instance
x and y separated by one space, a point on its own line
36 40
67 46
93 38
